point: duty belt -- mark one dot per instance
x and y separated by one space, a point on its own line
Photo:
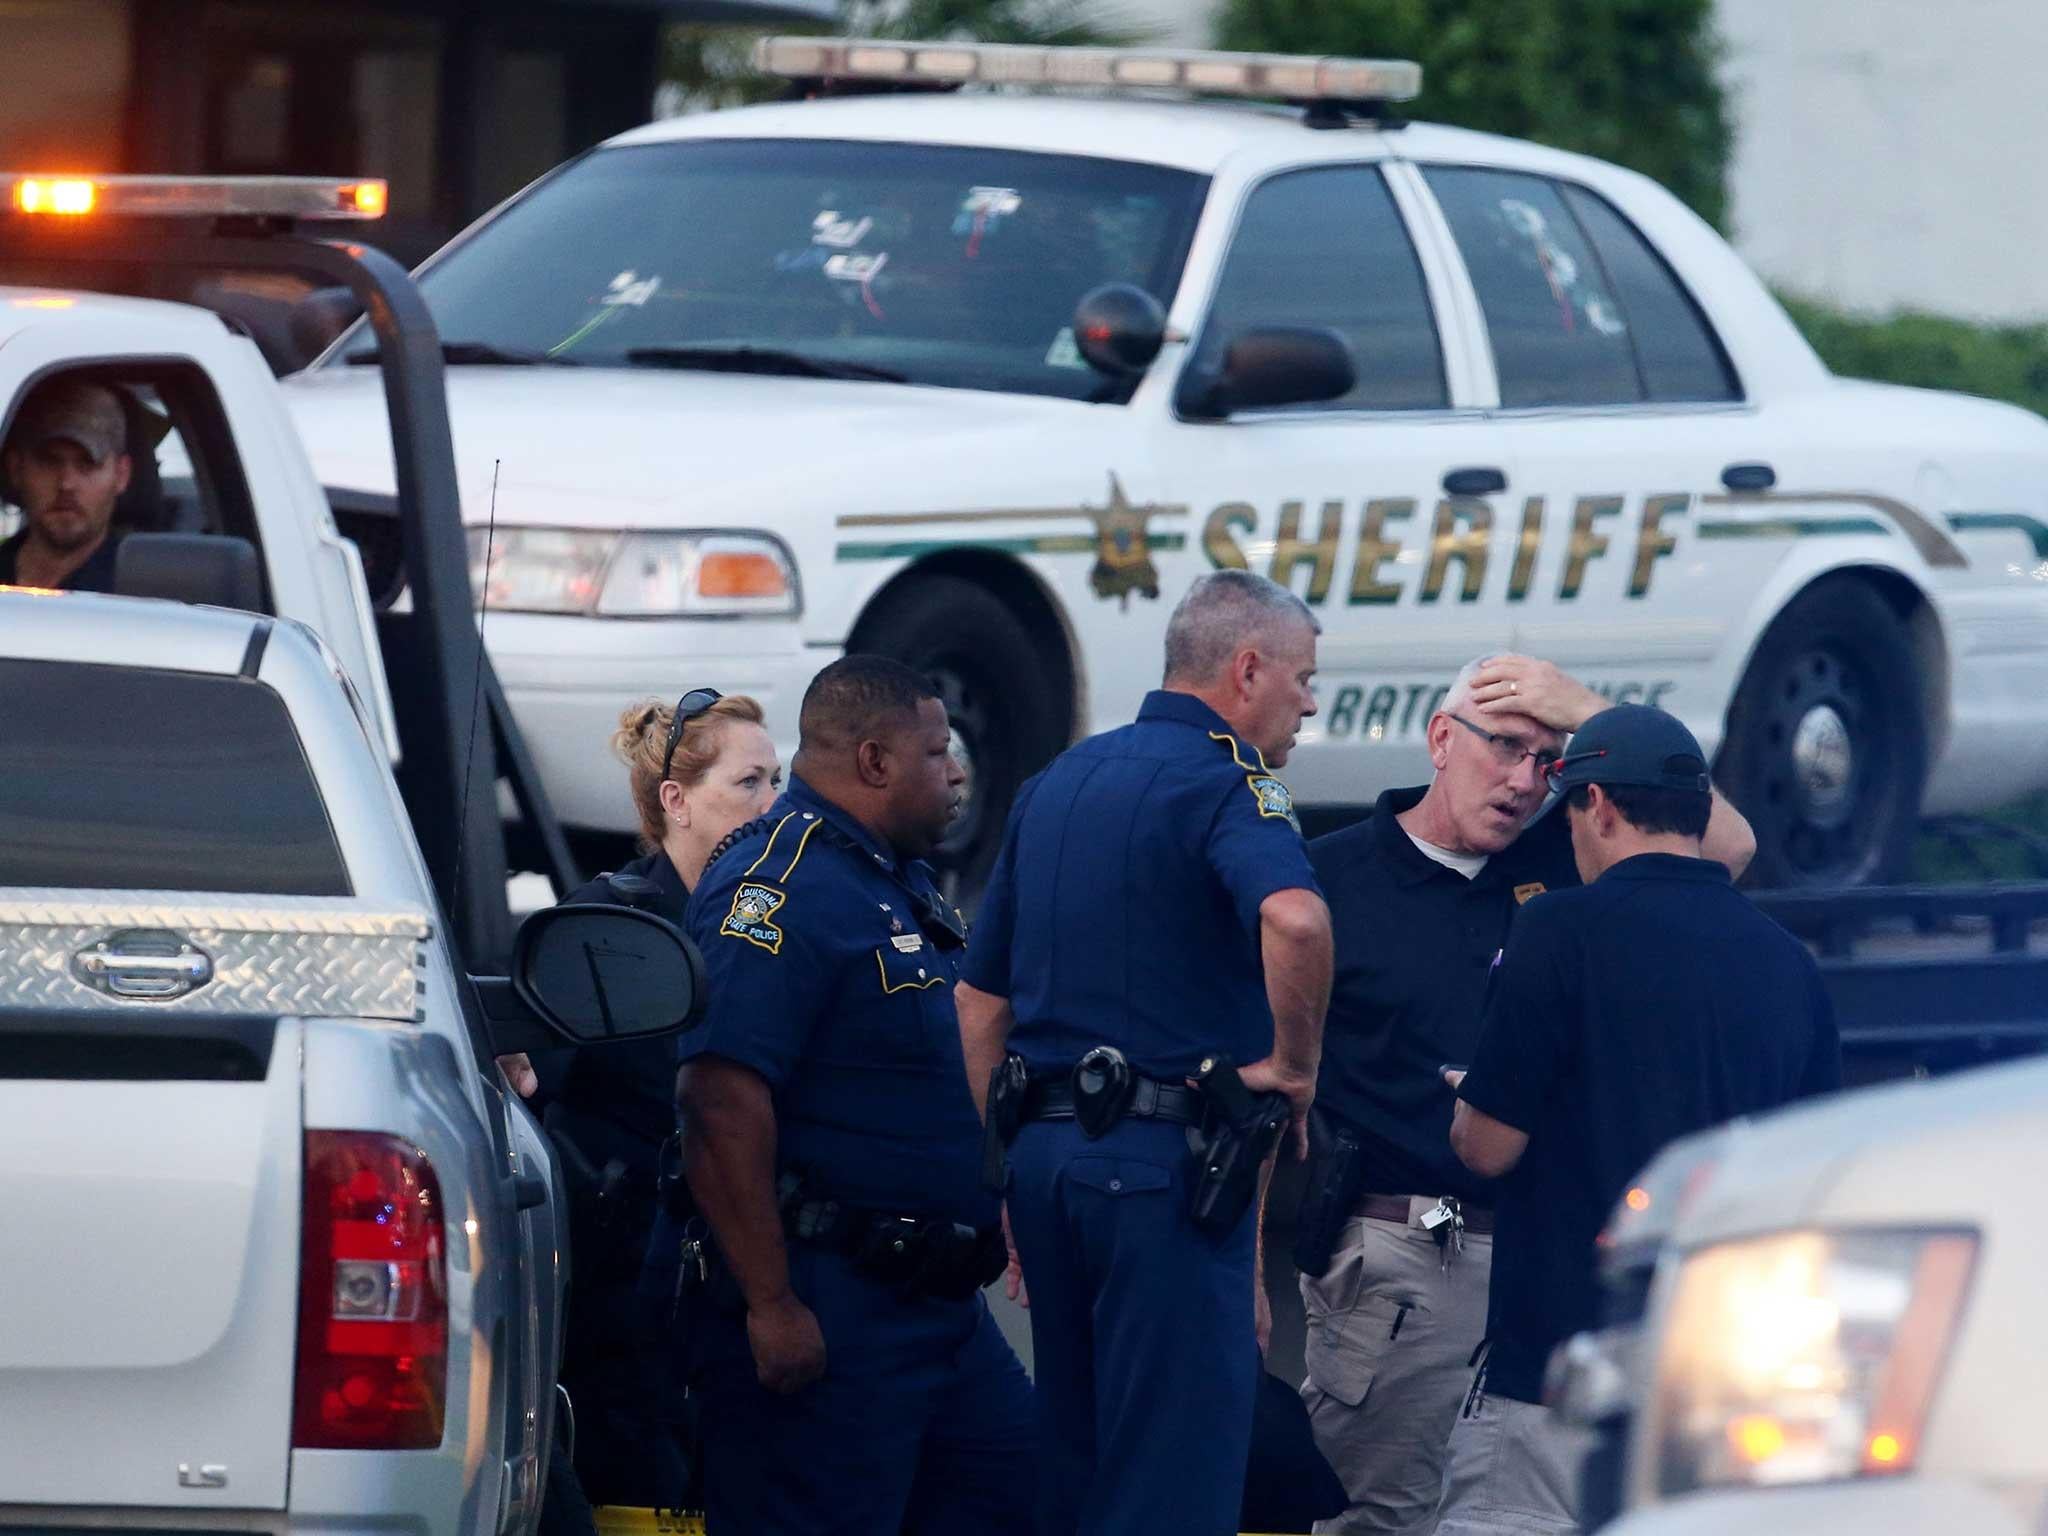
1052 1098
919 1255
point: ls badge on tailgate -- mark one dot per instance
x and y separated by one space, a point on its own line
152 964
208 1474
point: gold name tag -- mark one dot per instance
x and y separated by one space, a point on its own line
1524 892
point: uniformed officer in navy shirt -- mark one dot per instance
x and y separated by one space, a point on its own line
1652 1002
854 1381
1153 896
1396 1237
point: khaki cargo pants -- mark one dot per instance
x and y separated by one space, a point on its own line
1392 1331
1514 1471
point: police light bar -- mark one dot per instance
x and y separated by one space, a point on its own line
284 197
1287 77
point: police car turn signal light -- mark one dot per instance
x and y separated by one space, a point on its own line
740 573
269 197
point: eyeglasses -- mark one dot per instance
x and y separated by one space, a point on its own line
688 708
1509 752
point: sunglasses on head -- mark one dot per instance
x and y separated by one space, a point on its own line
688 708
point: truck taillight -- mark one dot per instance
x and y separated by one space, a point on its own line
373 1297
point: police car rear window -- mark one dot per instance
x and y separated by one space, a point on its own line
945 265
1579 308
123 778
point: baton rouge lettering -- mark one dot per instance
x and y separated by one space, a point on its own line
1463 539
1371 712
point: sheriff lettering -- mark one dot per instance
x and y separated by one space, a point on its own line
1547 547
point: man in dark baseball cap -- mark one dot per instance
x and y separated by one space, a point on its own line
1651 1002
66 464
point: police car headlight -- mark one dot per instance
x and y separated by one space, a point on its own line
1803 1356
631 575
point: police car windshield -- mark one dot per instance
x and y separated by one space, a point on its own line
933 264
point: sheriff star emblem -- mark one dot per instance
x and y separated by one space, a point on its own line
1123 549
752 907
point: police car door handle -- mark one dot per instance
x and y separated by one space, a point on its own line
1474 482
1749 477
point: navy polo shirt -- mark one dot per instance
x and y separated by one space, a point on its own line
96 574
1655 1002
821 981
1124 909
1416 943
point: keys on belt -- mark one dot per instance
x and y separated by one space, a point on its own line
1445 1222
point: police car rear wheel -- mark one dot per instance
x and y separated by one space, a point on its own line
1005 703
1826 748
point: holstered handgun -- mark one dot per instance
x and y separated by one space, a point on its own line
1005 1114
1336 1178
1238 1134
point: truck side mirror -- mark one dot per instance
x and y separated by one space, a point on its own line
1271 366
1119 328
596 973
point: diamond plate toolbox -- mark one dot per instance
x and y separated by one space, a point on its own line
304 956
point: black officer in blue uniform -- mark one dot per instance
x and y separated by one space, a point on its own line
1153 896
853 1379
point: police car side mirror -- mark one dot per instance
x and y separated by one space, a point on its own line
598 974
1119 328
1271 366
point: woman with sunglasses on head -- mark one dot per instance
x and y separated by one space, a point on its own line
696 772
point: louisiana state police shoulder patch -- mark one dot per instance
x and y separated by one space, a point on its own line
753 904
1274 798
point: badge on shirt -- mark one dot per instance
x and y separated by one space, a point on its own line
1524 892
752 906
1274 798
907 943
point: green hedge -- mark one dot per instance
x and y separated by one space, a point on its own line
2004 362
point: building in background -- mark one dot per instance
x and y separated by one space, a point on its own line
457 102
1886 152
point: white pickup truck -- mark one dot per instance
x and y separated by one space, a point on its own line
281 1251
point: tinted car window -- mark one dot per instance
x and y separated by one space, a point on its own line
947 265
122 778
1328 247
1560 336
1675 348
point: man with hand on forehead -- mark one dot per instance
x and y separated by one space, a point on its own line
1395 1236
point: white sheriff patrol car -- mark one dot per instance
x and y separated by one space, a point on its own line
983 376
